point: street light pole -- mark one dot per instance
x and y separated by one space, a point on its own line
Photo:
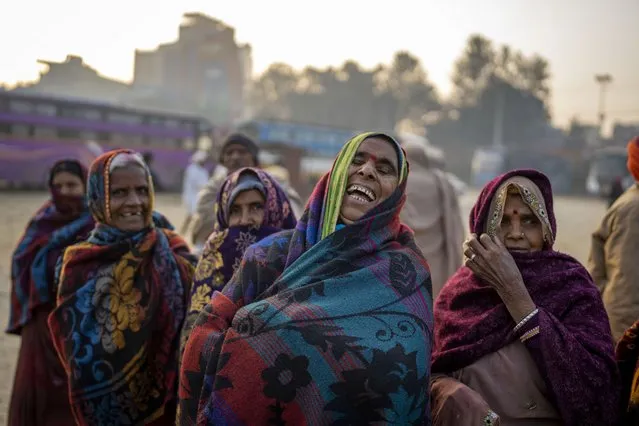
603 80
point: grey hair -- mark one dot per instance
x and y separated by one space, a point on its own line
124 159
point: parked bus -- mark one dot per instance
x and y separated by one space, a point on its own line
37 130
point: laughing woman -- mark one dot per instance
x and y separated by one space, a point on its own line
121 302
39 388
327 323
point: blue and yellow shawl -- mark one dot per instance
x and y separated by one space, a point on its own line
317 327
120 308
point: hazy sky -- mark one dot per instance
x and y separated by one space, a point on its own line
579 37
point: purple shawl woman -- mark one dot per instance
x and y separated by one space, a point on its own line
573 349
226 245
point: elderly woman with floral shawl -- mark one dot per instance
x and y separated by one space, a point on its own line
236 228
122 301
39 388
521 334
327 323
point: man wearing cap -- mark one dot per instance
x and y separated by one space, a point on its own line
237 152
614 253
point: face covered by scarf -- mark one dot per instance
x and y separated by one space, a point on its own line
61 221
121 304
331 322
472 321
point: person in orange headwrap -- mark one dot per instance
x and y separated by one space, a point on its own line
615 248
633 157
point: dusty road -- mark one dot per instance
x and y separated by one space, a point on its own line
576 218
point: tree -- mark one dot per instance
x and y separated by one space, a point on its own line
472 69
270 93
405 90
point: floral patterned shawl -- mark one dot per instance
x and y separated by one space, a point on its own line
120 307
226 245
61 221
318 327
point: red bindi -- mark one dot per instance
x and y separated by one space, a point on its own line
373 157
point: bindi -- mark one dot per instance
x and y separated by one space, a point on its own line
373 157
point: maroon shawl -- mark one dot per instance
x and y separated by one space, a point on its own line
573 351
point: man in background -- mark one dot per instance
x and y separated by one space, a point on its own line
238 151
432 212
148 159
614 253
195 178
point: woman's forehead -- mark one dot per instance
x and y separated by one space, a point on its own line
514 201
380 148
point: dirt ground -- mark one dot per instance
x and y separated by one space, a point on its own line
576 217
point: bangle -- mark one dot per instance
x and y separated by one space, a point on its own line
491 418
530 333
526 319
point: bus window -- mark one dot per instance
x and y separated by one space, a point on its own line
48 110
22 107
103 137
92 114
68 133
5 129
172 124
45 132
20 130
88 135
114 117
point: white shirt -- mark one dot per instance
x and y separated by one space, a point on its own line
195 177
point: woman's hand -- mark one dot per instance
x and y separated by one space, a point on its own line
489 259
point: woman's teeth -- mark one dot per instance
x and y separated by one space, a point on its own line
366 194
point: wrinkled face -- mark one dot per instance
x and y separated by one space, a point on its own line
372 177
520 230
235 157
129 198
66 183
247 209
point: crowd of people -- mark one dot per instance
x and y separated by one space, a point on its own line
366 306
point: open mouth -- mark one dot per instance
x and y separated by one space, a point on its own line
361 193
131 215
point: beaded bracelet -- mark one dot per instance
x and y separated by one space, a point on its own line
530 333
526 319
